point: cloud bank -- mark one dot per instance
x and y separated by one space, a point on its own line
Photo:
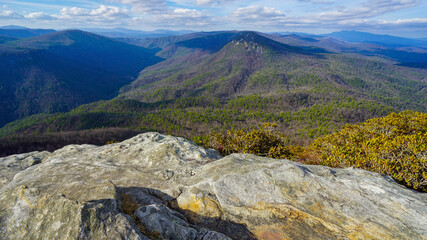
271 15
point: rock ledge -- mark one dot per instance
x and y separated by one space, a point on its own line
154 186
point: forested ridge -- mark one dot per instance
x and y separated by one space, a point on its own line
245 92
240 84
59 71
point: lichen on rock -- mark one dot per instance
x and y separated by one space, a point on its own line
154 186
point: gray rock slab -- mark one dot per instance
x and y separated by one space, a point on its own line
154 186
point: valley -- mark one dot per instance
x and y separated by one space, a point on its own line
59 71
208 82
213 119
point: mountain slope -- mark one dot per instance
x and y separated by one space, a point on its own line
385 40
61 70
222 74
13 27
254 64
24 32
130 33
251 80
178 46
4 39
377 51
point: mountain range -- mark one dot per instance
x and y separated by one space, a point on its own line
409 52
21 32
255 64
385 40
130 33
83 150
198 83
407 56
58 71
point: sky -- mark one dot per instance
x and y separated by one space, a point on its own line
406 18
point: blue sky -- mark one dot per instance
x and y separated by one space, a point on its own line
396 17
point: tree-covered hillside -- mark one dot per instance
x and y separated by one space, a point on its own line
62 70
251 80
302 116
24 32
406 54
252 64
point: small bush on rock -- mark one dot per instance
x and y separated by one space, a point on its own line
262 142
395 145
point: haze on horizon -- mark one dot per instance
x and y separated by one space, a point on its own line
406 18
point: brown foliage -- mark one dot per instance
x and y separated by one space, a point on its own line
52 141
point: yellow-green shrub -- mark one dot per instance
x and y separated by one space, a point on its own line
262 142
395 145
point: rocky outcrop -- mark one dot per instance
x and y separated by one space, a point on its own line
161 187
11 165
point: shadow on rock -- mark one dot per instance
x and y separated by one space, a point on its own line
157 216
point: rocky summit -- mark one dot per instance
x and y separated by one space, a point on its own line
162 187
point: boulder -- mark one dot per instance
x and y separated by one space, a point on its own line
11 165
154 186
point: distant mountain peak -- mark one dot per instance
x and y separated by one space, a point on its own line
249 36
61 70
13 27
256 41
250 40
22 32
384 40
71 32
61 38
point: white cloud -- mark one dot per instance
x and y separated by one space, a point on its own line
357 18
317 1
212 2
307 24
381 24
257 15
146 6
178 17
40 16
102 13
409 22
371 8
68 16
9 14
275 15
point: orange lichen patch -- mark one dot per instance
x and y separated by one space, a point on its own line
270 233
199 207
293 230
278 210
317 209
21 193
288 222
368 231
292 223
39 204
284 213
